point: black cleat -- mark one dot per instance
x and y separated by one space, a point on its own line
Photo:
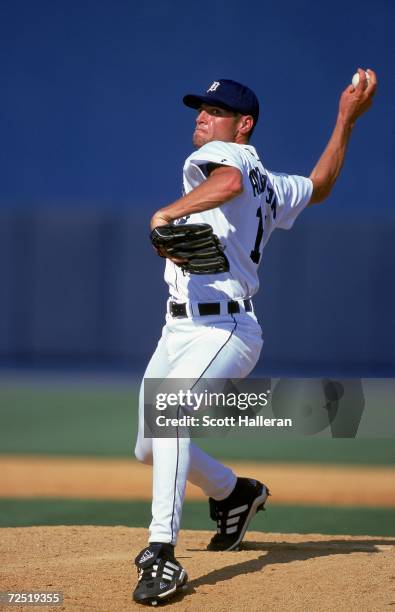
160 575
234 513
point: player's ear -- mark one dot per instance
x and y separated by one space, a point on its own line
246 123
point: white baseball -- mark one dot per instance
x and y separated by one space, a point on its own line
355 79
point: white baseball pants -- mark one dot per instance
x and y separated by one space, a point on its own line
215 346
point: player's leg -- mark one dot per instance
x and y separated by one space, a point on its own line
222 480
160 574
227 348
169 459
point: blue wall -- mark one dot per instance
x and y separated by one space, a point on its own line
83 286
93 140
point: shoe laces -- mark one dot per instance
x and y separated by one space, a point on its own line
146 574
219 516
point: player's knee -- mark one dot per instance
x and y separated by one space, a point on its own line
142 454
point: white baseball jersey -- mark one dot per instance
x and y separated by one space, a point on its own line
243 225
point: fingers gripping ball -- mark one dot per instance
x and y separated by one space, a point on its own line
355 79
195 243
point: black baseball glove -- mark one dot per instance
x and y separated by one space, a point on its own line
195 243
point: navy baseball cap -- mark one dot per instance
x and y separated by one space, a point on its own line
229 95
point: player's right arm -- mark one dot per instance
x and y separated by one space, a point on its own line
353 103
223 184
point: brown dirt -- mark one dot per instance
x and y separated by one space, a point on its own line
92 567
93 478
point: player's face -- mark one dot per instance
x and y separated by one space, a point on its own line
215 123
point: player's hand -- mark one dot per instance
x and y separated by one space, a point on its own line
159 220
356 101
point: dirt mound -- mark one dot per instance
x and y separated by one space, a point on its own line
92 567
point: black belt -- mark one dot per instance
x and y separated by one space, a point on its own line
209 308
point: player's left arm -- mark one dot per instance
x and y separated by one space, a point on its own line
223 184
353 103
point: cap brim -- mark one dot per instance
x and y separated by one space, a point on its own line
193 101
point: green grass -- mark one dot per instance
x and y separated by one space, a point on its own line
97 421
102 421
277 518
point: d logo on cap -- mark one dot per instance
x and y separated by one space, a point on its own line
214 86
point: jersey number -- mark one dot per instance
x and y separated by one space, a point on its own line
255 254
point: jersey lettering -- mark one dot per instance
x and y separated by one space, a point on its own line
259 184
272 201
258 181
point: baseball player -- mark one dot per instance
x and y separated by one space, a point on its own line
211 329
